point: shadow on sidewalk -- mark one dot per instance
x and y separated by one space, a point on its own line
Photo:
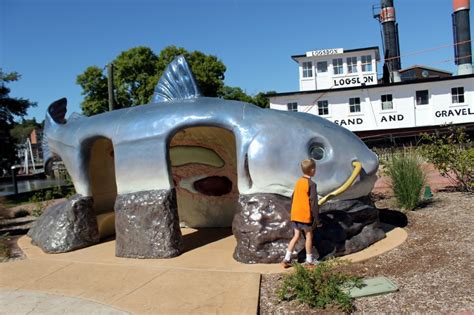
204 236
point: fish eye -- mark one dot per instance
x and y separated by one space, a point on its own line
317 152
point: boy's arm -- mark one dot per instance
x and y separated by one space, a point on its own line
313 200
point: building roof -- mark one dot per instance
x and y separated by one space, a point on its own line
294 57
416 81
424 67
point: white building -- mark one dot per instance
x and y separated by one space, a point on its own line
342 87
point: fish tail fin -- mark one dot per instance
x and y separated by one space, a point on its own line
55 116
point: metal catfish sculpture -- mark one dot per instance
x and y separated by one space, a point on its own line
270 144
268 148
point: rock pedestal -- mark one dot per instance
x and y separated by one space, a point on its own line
66 226
263 229
147 225
347 227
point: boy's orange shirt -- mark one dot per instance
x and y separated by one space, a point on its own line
301 203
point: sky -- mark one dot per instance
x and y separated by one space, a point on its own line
51 42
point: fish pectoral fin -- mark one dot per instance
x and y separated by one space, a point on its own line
176 83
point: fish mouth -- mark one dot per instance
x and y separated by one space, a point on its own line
361 187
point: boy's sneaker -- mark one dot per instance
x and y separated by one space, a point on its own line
311 264
286 263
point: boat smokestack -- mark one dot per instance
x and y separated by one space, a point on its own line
462 36
390 38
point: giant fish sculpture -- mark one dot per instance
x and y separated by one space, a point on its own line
269 146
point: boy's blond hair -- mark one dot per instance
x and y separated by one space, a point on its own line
307 166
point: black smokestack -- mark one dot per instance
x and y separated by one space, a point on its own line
390 36
462 36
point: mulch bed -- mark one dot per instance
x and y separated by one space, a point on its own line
433 269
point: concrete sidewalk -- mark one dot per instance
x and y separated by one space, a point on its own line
205 279
134 289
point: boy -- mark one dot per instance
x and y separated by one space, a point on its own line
304 212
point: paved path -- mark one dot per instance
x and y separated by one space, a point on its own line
205 279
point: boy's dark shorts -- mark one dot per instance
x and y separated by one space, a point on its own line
306 227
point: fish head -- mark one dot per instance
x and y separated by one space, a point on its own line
275 154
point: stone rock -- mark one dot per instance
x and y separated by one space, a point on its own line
147 225
262 228
66 226
348 226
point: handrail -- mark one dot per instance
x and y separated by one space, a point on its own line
357 168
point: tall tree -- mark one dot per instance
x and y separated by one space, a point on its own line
137 72
10 108
21 131
94 89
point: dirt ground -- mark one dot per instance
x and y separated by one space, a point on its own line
433 269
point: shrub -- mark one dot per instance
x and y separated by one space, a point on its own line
453 156
320 286
407 177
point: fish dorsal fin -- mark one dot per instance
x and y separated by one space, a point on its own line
176 83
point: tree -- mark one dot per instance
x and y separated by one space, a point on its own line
10 108
136 73
94 89
21 131
237 94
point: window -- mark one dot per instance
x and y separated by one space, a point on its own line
352 64
292 107
307 69
322 66
354 105
457 95
387 101
422 97
366 62
323 108
337 65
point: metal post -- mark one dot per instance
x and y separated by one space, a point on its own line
15 182
110 83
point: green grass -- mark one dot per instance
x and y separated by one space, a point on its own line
5 252
320 287
407 177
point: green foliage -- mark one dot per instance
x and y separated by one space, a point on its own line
94 89
407 178
42 199
452 155
5 251
235 94
320 286
136 73
10 108
20 132
135 76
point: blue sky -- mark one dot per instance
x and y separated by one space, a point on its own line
50 42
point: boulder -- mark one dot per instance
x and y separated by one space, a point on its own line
66 226
263 229
147 225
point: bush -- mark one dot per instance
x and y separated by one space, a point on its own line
407 177
320 286
453 156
